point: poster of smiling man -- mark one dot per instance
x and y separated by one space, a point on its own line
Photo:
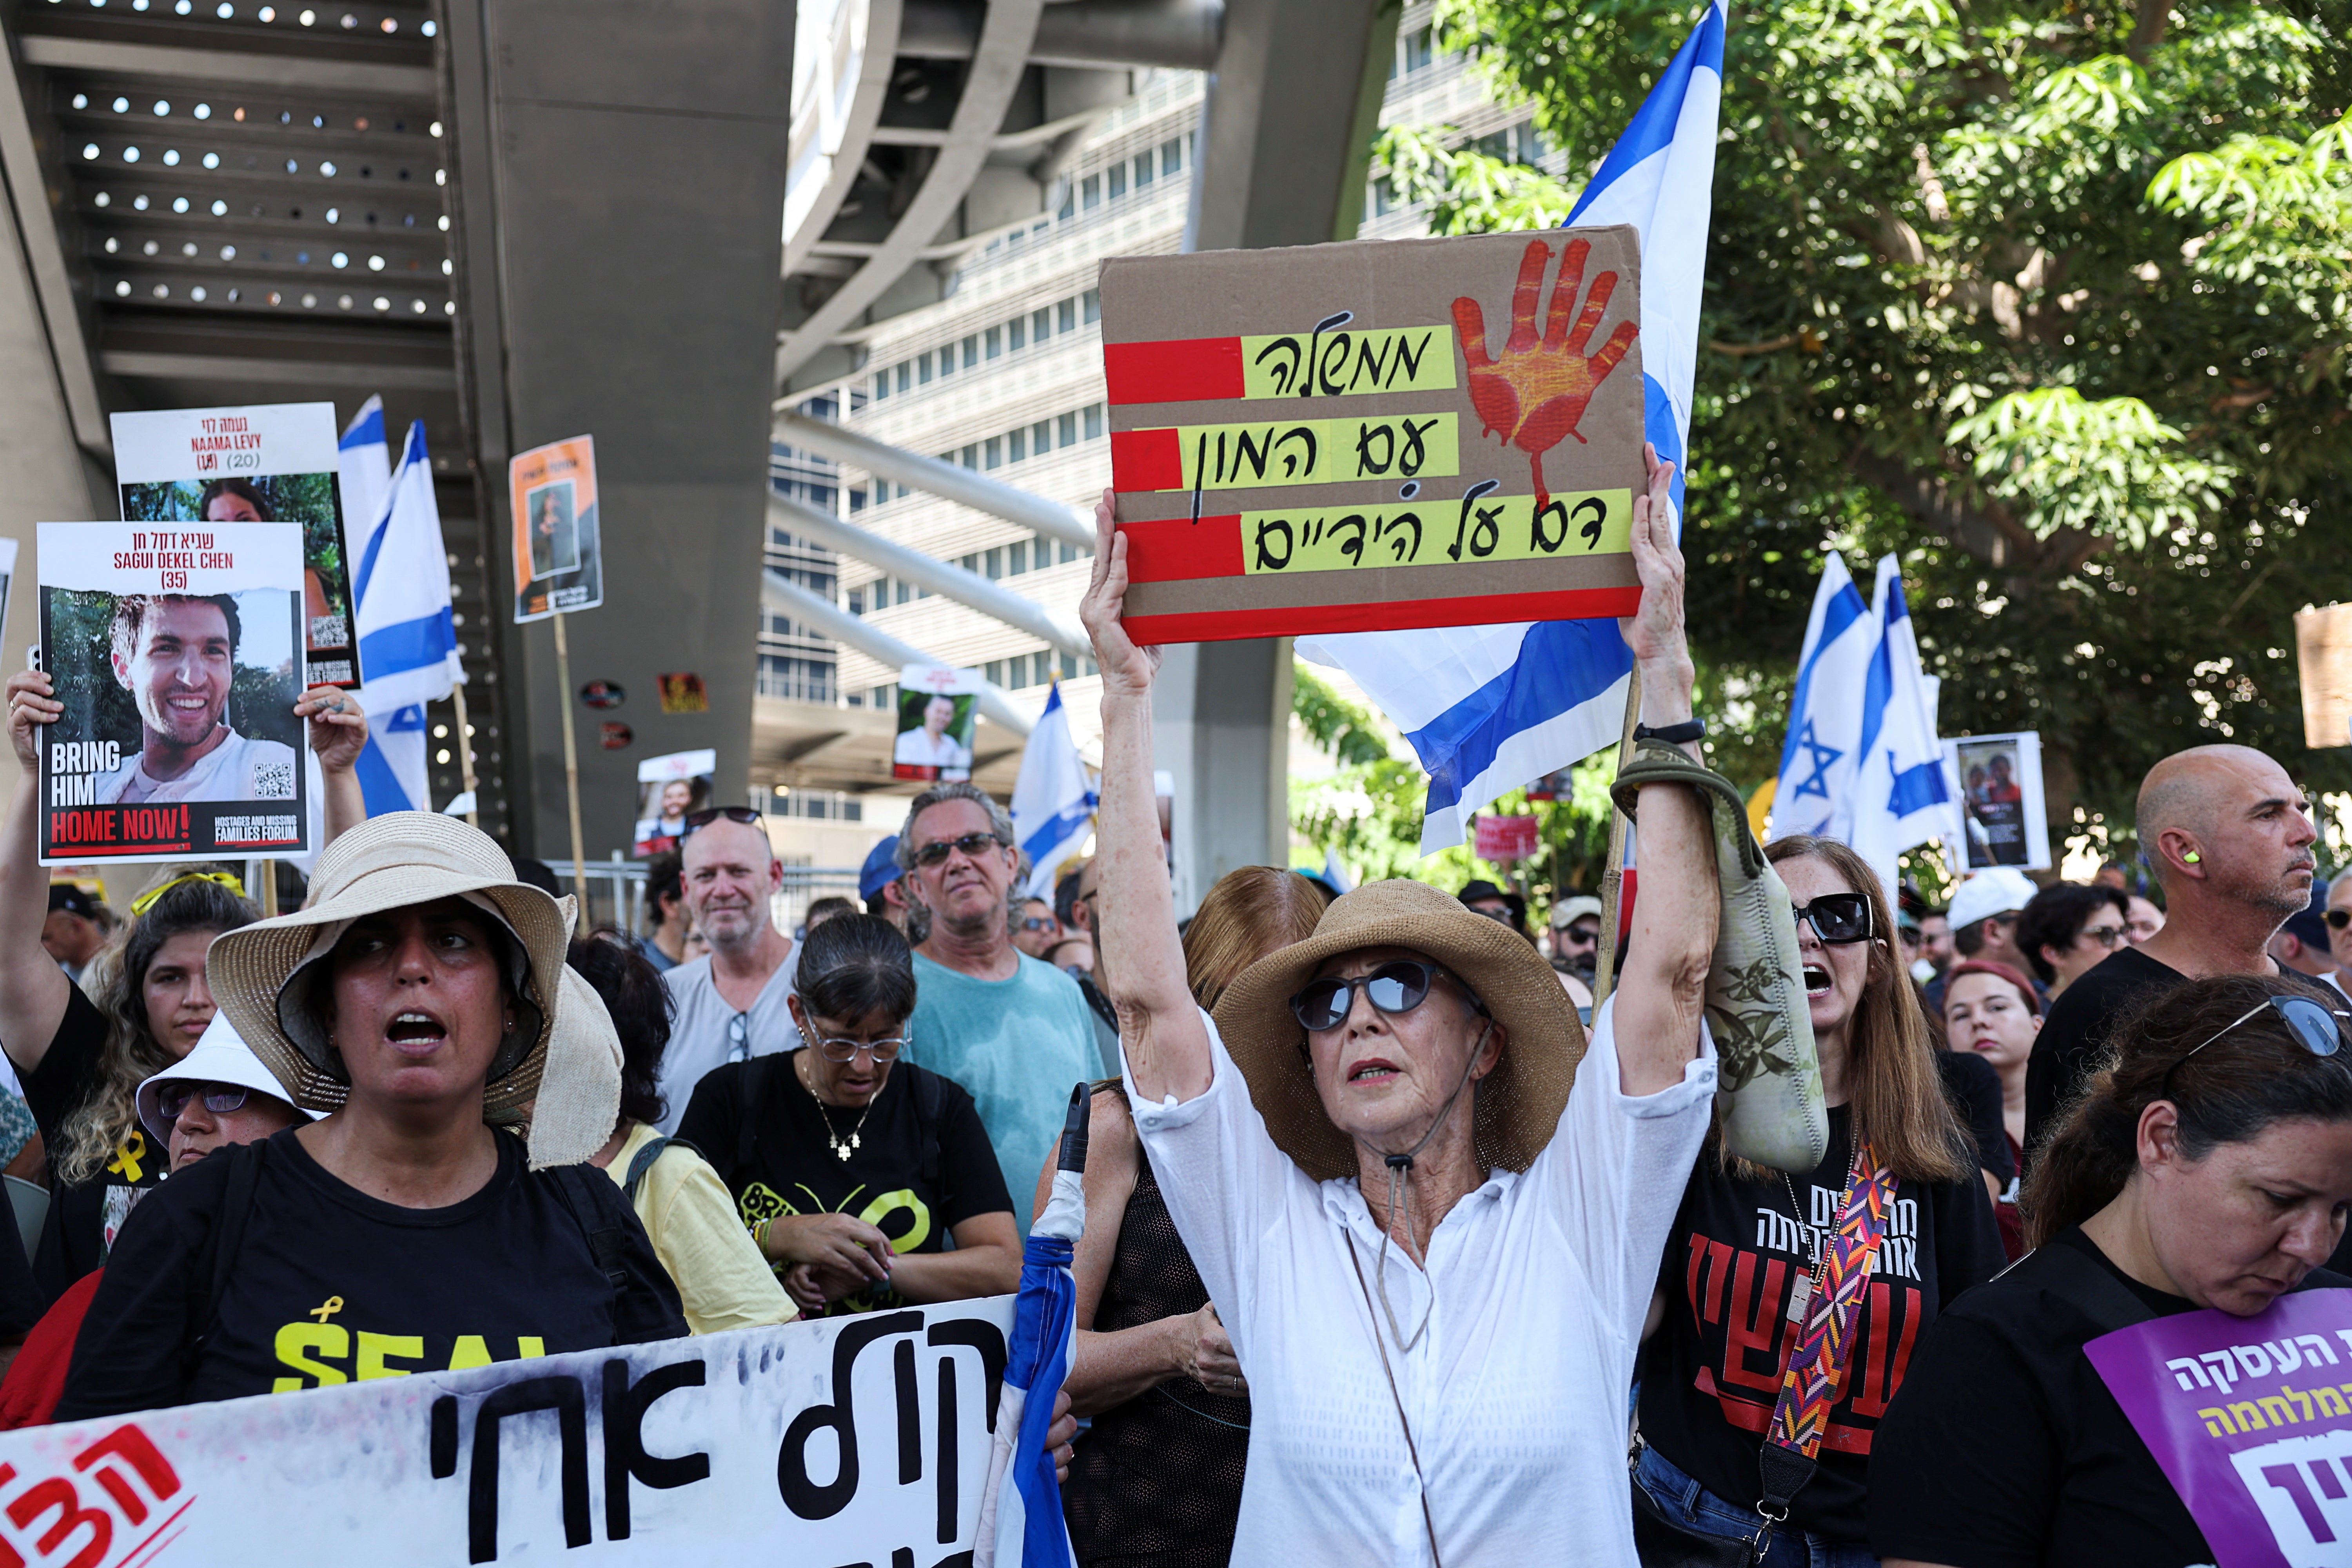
178 656
276 462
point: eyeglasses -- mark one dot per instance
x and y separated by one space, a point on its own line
1503 914
974 845
220 1098
2338 919
1580 935
840 1050
739 1037
1393 988
2315 1027
696 820
2105 936
1837 918
1037 922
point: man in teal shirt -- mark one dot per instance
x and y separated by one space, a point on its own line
1011 1029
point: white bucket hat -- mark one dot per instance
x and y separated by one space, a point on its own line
561 1072
218 1056
1993 891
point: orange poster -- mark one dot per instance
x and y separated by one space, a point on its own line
551 496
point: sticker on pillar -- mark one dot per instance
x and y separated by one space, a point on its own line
1375 434
936 708
615 736
670 789
603 694
557 540
682 691
177 654
271 462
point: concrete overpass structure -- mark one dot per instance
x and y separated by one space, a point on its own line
526 219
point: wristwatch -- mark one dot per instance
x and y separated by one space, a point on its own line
1689 730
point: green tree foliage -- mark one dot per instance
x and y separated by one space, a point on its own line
2050 298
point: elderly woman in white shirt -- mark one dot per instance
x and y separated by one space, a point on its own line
1428 1212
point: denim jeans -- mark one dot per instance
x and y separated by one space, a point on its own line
1689 1503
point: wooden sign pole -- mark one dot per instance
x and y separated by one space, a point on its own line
466 753
572 777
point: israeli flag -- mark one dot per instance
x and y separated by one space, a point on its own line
1489 707
1053 799
1901 795
365 469
407 637
1818 758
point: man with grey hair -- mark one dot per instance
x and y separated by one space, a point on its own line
1010 1029
732 1001
2229 836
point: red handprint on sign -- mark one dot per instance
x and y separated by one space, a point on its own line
1536 392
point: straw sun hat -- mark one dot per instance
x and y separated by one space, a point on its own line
271 979
1518 1103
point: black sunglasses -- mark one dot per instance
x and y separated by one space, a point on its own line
1837 918
974 845
2312 1026
220 1098
2338 919
710 814
1395 987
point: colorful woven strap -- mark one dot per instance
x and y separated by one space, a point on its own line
1817 1368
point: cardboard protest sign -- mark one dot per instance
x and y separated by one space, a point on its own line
1375 434
858 1440
1507 838
2251 1419
2323 645
272 462
667 789
558 562
1998 779
937 707
178 656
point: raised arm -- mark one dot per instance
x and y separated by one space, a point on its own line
1159 1023
33 990
1661 991
339 732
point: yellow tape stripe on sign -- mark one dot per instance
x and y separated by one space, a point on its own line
1345 364
1437 532
1267 454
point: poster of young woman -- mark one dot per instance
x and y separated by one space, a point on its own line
274 462
668 789
938 706
178 656
558 563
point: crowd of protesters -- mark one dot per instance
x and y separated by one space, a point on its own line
1378 1266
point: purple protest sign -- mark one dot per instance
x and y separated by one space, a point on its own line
2251 1419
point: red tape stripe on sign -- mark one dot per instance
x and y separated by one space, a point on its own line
1220 625
1179 370
1146 461
1177 548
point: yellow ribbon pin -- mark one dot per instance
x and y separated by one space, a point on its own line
328 1308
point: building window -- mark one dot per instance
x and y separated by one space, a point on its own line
881 385
1069 202
970 456
1066 425
1172 155
969 562
994 671
1016 557
1117 177
1041 323
1016 333
795 679
1145 165
903 370
995 566
995 336
1418 51
1066 316
1090 305
1041 437
856 601
857 499
923 369
1090 192
1094 417
992 453
972 351
1069 553
1017 446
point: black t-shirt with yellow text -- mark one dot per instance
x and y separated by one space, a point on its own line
328 1286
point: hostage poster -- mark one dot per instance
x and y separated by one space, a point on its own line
559 563
937 707
178 656
668 789
275 462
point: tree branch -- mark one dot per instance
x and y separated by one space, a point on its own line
1983 527
2147 29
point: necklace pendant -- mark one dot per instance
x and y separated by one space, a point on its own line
841 1151
1799 1298
853 1143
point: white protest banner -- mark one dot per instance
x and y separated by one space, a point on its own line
859 1439
178 656
269 462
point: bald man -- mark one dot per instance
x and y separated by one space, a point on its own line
733 1002
2229 836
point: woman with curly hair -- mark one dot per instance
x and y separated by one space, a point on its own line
81 1049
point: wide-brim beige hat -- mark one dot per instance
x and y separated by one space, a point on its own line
389 862
1518 1103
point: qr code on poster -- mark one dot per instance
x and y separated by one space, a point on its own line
329 631
273 780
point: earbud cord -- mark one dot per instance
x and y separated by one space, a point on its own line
1401 1172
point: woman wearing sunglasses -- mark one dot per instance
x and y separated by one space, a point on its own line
2209 1165
1425 1209
850 1166
1746 1253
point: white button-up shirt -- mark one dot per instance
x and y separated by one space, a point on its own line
1517 1392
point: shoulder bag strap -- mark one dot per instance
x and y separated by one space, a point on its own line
642 1161
1817 1367
1437 1557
